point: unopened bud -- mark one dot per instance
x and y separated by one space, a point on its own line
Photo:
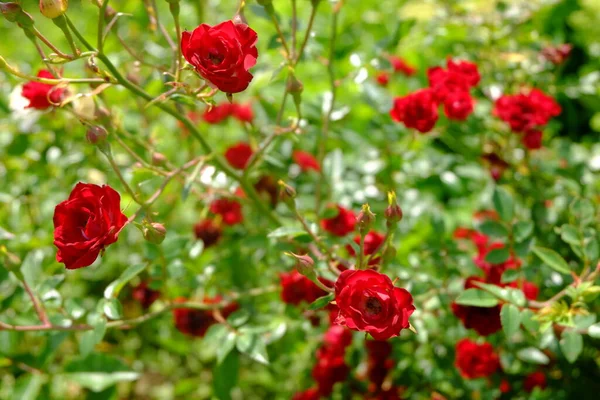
158 159
304 264
10 11
53 8
365 219
154 233
96 135
295 88
287 194
11 261
393 213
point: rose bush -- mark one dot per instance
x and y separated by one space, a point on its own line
299 200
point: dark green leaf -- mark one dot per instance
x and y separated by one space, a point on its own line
552 259
522 230
114 288
493 228
477 298
503 203
321 302
498 256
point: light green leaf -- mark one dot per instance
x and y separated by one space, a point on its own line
98 381
114 288
594 331
252 345
321 302
510 316
571 345
288 232
522 230
226 346
497 256
112 308
511 295
552 259
528 321
477 298
533 355
503 203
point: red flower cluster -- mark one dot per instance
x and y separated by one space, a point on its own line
401 66
196 322
208 231
369 302
331 366
230 211
418 110
373 242
476 360
84 224
526 113
222 54
42 95
297 288
306 161
238 155
340 225
145 295
379 364
219 113
451 87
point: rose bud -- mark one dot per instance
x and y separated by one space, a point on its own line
53 8
96 135
154 233
10 11
295 88
287 194
11 261
304 264
365 219
158 159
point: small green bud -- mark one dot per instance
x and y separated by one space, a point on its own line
10 11
365 219
287 194
154 232
304 265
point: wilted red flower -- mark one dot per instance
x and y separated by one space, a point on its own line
145 295
84 224
484 320
476 360
242 112
208 231
42 95
222 54
217 114
340 225
399 65
458 105
496 165
196 322
467 69
383 78
373 242
297 288
230 210
532 139
306 161
533 380
238 155
526 111
557 54
418 110
369 302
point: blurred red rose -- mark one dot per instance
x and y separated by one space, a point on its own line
308 394
42 95
476 360
418 110
242 112
145 295
208 231
504 386
526 111
369 302
217 114
297 288
84 224
399 65
443 82
467 69
306 161
340 225
532 139
238 155
230 210
196 322
373 242
484 320
382 78
458 105
533 380
222 54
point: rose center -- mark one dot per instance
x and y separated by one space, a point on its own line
215 58
373 306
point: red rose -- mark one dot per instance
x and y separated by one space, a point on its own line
297 288
476 360
443 82
196 322
340 225
458 105
86 223
309 394
504 386
306 161
208 231
532 139
399 65
418 110
369 302
533 380
145 295
526 111
229 210
238 155
383 78
467 69
217 114
222 54
242 112
42 95
484 320
329 369
337 338
373 242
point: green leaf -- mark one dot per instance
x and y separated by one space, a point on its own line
251 344
533 355
510 275
112 308
522 230
321 302
570 234
28 387
583 211
89 339
594 331
238 318
225 376
477 298
529 322
196 249
287 232
510 316
114 288
511 295
226 346
498 256
571 345
493 228
98 372
503 203
552 259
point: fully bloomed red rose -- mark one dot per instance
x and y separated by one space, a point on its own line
306 161
42 95
467 69
418 110
238 155
399 65
533 380
444 82
230 210
484 320
458 105
373 242
222 54
145 295
208 231
476 360
526 111
242 112
217 114
340 225
331 366
84 224
297 288
196 322
369 302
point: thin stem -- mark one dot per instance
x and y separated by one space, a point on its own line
60 22
52 47
13 71
361 250
281 37
315 238
117 170
294 30
174 8
101 17
322 285
39 308
313 13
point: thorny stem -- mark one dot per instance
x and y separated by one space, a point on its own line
39 308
